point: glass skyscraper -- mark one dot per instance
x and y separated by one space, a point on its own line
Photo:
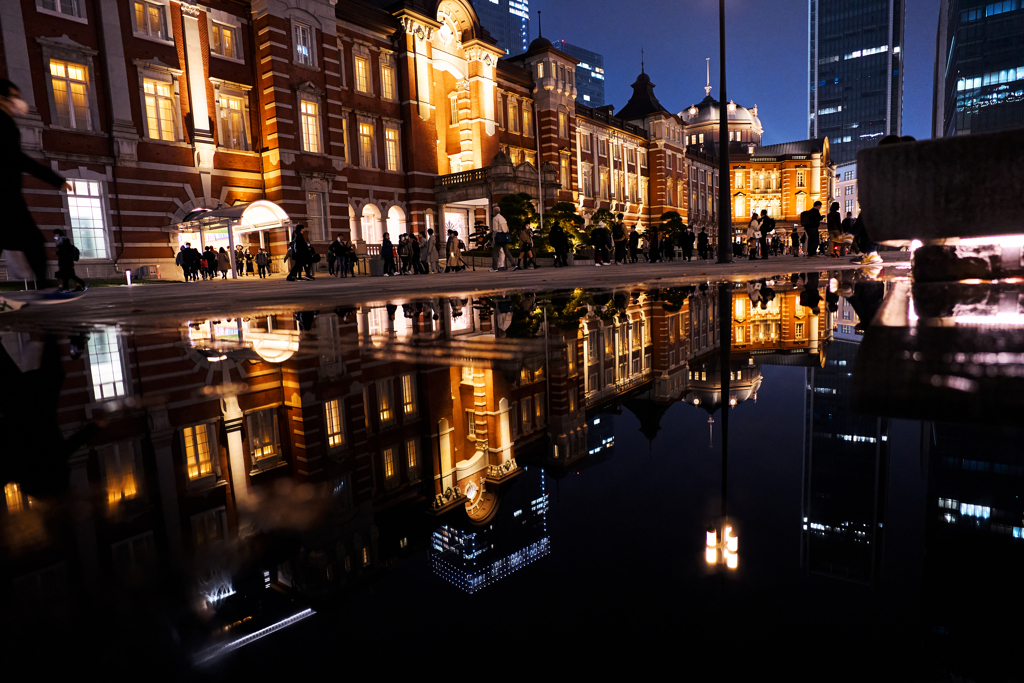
855 60
508 21
589 74
979 70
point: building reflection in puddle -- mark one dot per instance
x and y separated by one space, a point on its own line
303 454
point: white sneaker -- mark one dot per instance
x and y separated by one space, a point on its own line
386 275
494 270
598 265
870 259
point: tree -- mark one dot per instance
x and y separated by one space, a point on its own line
563 214
672 224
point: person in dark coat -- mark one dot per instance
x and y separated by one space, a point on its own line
387 252
634 244
300 255
559 241
18 232
249 263
811 220
767 225
702 244
599 240
336 257
67 254
688 238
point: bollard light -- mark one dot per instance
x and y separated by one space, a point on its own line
128 277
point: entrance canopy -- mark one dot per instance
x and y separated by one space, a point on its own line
222 227
258 215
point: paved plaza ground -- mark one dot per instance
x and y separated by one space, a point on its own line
169 303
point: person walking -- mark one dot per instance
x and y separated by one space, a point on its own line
634 244
766 228
655 246
526 248
702 244
223 263
336 258
645 247
414 254
449 245
811 220
67 254
387 252
261 263
180 259
21 241
560 243
687 244
599 240
500 238
753 233
249 261
432 254
456 255
619 238
301 256
794 238
424 254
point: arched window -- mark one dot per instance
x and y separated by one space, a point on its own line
370 224
739 211
801 203
396 222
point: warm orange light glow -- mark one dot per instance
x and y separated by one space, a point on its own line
711 556
712 538
732 542
731 560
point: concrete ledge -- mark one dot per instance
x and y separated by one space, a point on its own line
967 186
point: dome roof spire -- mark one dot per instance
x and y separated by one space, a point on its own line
707 88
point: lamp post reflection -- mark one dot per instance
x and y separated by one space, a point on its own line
722 543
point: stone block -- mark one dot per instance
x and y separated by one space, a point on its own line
965 186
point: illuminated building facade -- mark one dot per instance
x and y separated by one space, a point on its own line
349 118
979 67
855 73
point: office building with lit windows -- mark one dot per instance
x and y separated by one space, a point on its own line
855 64
508 22
979 67
589 74
845 470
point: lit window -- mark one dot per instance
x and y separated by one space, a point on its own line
739 335
232 123
150 20
408 395
585 142
119 471
316 216
263 436
391 148
387 415
88 223
105 365
739 207
564 171
572 400
13 494
526 413
801 203
539 406
411 456
800 181
739 180
362 74
513 118
224 40
303 44
799 330
335 431
310 127
540 69
366 557
159 109
198 456
387 82
527 122
366 151
70 95
389 462
563 127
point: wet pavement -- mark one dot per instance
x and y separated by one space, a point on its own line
816 473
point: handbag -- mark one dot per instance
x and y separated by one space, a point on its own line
501 238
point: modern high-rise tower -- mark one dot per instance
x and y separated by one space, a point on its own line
979 67
589 74
508 21
855 59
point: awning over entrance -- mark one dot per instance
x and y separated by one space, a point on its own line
213 224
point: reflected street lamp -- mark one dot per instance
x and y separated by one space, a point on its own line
724 551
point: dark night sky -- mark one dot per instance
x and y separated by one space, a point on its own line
767 53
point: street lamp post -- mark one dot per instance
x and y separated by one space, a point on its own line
724 202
